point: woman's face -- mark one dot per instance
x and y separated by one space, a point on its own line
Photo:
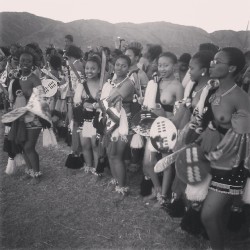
67 42
91 70
219 67
26 62
165 67
121 67
132 56
195 70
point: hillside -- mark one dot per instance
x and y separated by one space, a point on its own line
25 27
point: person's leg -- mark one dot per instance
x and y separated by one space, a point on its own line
28 169
168 176
212 217
111 162
163 199
27 161
118 161
30 155
87 152
94 150
127 152
149 162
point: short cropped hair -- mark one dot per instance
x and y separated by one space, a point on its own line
236 58
122 56
204 57
69 37
170 55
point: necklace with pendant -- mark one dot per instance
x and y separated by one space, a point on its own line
115 85
25 78
216 100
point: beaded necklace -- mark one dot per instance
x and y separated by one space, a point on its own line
115 85
216 100
195 92
25 78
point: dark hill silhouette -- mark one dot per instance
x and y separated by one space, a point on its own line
25 28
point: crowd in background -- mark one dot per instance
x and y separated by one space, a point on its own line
103 94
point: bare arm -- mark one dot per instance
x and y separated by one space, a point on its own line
242 101
127 89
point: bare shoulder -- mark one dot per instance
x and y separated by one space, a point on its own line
128 81
242 99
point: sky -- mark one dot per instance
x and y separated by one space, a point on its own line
209 15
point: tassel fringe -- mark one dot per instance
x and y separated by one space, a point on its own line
19 160
49 138
199 191
150 95
10 168
137 141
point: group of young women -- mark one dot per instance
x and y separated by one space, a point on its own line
208 108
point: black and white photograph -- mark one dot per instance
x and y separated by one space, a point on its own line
125 125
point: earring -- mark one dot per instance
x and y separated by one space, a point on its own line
202 74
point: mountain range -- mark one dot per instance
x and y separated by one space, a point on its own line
23 27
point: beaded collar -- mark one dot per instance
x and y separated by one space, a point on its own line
25 78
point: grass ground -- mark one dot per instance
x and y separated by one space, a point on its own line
70 209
